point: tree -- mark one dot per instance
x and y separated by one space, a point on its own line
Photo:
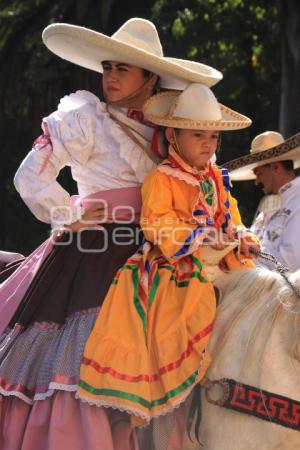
31 82
289 123
238 37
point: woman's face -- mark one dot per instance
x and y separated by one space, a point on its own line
195 146
120 80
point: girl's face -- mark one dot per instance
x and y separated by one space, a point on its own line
120 80
195 146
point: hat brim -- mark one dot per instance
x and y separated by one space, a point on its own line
241 169
156 110
88 48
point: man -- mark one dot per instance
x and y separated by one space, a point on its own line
271 163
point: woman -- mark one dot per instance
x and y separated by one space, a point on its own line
50 303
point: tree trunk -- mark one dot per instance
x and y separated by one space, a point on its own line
289 118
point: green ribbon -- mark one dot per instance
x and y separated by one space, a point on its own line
136 398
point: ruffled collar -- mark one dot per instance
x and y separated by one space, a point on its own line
213 186
207 203
183 165
182 170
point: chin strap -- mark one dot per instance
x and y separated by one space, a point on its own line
132 99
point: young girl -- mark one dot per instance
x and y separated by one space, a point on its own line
148 347
51 302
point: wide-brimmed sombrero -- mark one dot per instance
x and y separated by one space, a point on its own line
195 108
266 148
136 42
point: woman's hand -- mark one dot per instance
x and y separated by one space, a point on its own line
92 218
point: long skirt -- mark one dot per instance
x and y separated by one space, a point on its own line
148 348
41 350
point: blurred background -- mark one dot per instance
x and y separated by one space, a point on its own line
256 44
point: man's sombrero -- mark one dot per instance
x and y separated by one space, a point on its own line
196 108
136 42
266 148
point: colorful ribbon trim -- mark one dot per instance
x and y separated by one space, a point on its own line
162 370
140 400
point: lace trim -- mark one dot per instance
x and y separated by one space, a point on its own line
55 387
133 411
176 173
186 167
16 394
106 404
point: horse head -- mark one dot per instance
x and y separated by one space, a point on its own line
256 342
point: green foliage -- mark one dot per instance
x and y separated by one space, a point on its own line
239 37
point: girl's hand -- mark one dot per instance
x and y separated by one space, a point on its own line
92 218
248 243
218 241
223 242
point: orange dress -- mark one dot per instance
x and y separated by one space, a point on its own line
148 347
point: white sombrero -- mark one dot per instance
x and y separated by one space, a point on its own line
195 108
136 42
265 148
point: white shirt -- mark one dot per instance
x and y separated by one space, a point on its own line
278 228
267 206
100 154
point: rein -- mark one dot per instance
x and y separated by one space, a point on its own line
256 402
280 268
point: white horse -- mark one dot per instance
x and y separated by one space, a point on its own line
256 342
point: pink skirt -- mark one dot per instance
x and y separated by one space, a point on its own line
61 422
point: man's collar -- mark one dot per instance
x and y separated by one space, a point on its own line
290 184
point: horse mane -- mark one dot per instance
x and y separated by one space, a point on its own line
268 293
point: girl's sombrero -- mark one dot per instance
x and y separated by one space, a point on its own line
195 108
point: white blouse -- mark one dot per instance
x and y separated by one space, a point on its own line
278 231
99 152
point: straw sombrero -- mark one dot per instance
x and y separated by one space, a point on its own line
265 148
195 108
136 42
